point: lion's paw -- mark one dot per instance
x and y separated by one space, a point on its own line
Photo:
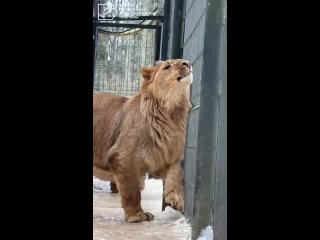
175 201
139 217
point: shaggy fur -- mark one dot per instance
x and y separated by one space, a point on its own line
145 134
108 176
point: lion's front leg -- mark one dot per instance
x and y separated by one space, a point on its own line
128 183
129 188
173 187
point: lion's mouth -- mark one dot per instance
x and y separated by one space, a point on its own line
186 77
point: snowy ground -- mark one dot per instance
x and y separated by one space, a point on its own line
108 216
206 234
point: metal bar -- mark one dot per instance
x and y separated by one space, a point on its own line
161 18
177 30
124 25
166 29
158 43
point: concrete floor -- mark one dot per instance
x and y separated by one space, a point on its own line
108 216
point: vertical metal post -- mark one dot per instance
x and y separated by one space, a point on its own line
177 30
165 29
209 114
158 43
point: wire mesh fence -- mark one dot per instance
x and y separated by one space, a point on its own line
119 59
122 51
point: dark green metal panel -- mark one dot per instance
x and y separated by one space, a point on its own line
220 203
210 177
194 28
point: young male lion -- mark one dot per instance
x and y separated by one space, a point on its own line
145 134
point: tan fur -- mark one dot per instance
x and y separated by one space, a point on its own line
145 134
108 176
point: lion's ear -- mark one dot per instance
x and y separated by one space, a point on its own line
147 73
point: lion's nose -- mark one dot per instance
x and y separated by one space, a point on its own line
186 63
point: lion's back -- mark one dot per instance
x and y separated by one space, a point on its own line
106 122
106 106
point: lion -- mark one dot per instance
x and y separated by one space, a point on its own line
145 134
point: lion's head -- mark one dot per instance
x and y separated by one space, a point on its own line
168 80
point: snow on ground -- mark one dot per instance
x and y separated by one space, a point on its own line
206 234
109 223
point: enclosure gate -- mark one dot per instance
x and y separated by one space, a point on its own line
124 42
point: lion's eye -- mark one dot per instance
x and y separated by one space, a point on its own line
167 67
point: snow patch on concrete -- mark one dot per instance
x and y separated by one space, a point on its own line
206 234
